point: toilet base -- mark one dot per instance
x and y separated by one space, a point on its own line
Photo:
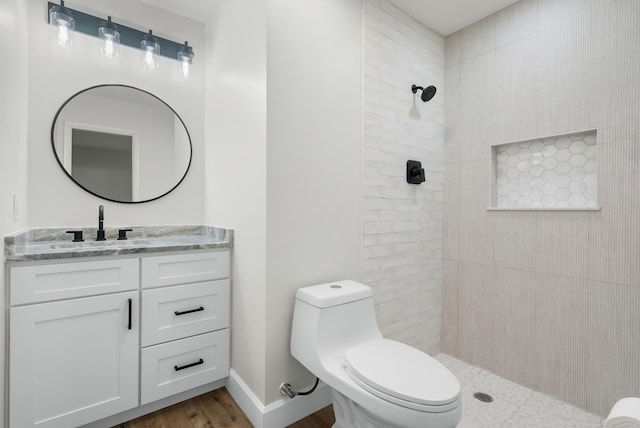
350 415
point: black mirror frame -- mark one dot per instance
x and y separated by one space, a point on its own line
53 145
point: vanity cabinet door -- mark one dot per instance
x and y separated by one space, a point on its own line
73 361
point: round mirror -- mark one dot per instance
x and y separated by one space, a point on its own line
121 143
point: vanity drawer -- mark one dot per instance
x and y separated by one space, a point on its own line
171 313
41 283
180 365
159 271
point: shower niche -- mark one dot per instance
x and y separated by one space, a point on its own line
551 173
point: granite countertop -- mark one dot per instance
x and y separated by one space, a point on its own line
49 243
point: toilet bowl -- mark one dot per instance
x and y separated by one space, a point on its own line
375 382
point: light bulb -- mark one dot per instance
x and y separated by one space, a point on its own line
109 50
109 39
185 69
151 48
63 33
62 18
185 56
149 59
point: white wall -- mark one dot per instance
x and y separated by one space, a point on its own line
314 227
235 169
402 253
283 167
13 136
56 73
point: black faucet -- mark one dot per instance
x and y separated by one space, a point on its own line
100 233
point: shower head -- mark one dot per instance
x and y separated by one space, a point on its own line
427 93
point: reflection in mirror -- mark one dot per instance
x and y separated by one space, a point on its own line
103 163
121 143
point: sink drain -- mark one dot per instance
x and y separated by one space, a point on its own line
483 396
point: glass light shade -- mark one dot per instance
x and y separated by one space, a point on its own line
150 51
61 17
185 56
109 39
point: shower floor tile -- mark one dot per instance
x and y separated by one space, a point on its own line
513 405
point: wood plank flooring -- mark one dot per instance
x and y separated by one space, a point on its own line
323 418
216 409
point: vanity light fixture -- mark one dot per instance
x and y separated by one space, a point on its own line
109 38
185 56
150 50
62 18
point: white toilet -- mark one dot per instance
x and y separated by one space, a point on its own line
375 382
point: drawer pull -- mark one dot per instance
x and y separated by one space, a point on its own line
197 363
129 325
201 308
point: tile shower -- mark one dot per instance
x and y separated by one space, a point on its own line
544 296
547 297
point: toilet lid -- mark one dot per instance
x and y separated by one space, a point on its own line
402 372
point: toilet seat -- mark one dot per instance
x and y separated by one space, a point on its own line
403 375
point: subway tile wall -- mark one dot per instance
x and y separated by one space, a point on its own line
403 223
548 299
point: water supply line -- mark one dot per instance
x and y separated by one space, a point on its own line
287 390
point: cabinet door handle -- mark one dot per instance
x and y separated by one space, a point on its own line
197 363
201 308
129 326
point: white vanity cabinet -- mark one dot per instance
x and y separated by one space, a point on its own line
94 338
75 360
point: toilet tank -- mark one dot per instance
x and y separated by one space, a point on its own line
333 293
331 317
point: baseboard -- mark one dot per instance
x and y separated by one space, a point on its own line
280 413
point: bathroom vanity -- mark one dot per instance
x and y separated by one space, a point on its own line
101 328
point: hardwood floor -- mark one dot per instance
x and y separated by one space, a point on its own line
323 418
216 409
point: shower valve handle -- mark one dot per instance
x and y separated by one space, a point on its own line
415 172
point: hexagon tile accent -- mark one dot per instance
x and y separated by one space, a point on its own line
553 172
